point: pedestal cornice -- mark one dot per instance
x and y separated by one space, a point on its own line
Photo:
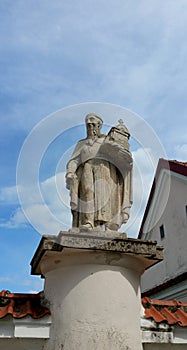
55 249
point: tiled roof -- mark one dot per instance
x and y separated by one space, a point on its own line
21 305
17 305
172 312
177 162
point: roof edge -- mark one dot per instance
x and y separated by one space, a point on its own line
165 285
171 165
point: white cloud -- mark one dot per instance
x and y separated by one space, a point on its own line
143 174
180 152
15 282
9 195
5 279
43 222
50 213
120 53
53 214
16 220
128 53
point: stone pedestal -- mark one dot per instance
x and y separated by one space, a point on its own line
93 286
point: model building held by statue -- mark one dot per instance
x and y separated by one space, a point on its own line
99 177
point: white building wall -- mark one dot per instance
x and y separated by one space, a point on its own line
174 219
161 336
25 333
22 344
165 346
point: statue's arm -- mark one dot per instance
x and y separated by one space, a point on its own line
72 166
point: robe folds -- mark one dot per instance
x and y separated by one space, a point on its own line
100 193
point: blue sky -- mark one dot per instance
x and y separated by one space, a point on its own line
54 54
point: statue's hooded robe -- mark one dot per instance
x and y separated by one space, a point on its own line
100 193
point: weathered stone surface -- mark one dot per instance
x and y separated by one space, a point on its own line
93 286
99 177
145 251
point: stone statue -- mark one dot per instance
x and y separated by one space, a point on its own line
99 177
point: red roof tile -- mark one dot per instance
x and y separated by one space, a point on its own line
172 311
153 313
182 316
21 305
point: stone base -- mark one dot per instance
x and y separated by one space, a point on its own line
95 233
93 285
146 252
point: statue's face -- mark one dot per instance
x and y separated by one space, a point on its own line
93 126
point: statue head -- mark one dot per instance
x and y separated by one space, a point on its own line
93 125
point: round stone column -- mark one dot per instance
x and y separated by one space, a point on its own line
93 287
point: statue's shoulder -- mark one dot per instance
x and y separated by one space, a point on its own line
81 142
101 139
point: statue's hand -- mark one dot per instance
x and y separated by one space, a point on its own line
69 180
